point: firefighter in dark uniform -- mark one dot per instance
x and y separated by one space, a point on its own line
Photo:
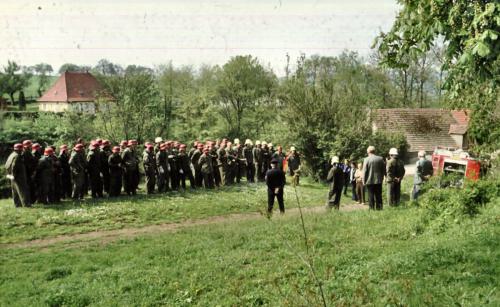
336 178
149 163
205 164
185 168
162 169
198 177
45 176
78 166
104 154
16 172
174 168
94 170
115 172
65 171
249 163
30 163
131 166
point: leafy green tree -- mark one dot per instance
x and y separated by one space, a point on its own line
327 100
129 107
14 79
106 68
70 67
470 31
43 71
242 84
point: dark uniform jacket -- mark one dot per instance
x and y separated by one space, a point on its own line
275 178
336 177
149 162
293 161
248 154
77 162
162 162
115 164
395 169
15 167
130 160
205 163
45 169
184 162
94 163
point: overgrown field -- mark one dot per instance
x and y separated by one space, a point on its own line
396 257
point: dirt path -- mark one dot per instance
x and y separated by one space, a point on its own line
107 236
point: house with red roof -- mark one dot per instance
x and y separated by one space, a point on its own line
425 129
73 91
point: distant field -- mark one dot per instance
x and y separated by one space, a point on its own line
31 90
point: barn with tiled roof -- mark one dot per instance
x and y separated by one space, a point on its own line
75 91
425 129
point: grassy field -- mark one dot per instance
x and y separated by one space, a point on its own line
78 217
361 257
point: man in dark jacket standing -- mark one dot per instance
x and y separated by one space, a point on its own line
115 172
104 154
65 171
30 163
395 174
78 165
373 176
275 181
337 179
16 172
185 168
149 163
45 176
94 170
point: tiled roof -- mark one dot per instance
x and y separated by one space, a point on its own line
424 128
73 87
458 129
461 116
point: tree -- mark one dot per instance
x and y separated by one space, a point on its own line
327 100
43 71
134 69
129 107
242 84
14 79
471 61
70 67
107 68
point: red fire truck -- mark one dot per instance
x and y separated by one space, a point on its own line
458 162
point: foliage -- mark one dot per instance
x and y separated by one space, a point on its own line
445 206
14 80
325 104
242 85
129 107
72 68
43 71
107 68
469 30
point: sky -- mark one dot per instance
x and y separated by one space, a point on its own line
186 32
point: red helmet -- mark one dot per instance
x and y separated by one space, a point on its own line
99 141
132 142
147 144
27 143
149 147
105 143
163 146
35 146
78 147
182 146
18 146
48 151
116 149
123 143
63 147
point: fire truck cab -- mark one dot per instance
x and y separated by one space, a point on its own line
446 161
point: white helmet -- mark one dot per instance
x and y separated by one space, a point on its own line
158 139
270 144
292 148
264 143
335 159
236 141
248 142
257 142
421 153
393 152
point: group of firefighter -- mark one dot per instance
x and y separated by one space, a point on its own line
44 176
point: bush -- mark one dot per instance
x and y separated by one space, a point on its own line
445 206
5 189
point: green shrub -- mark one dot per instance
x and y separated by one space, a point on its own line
445 206
5 189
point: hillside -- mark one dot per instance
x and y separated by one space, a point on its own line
361 257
